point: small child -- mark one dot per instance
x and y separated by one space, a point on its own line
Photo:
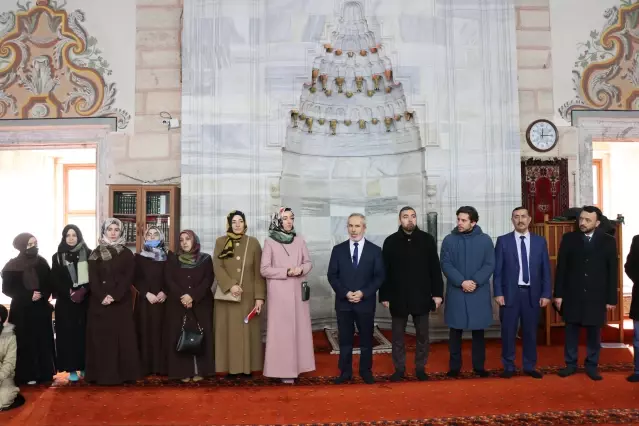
10 396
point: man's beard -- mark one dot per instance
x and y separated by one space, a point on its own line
586 230
409 228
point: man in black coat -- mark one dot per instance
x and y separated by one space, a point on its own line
632 270
585 287
413 286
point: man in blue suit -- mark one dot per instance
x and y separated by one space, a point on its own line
356 272
521 287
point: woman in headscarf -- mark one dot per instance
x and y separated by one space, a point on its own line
189 277
285 264
150 307
26 279
70 281
238 345
10 396
112 356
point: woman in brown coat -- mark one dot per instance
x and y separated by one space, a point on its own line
189 277
150 307
112 350
238 346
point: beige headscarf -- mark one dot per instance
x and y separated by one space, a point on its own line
103 251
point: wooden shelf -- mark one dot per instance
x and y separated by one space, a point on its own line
136 200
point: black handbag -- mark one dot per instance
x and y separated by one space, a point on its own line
306 291
190 341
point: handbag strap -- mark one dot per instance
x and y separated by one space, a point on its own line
197 323
248 239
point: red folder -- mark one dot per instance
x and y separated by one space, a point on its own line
250 316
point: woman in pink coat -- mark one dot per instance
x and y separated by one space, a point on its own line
289 338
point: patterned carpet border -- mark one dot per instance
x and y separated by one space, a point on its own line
383 346
581 417
260 381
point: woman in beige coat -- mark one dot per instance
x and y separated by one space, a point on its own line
9 393
238 345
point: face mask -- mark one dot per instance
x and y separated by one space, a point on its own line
152 243
31 252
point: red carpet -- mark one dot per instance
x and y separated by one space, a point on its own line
465 401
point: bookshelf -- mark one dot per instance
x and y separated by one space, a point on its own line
142 206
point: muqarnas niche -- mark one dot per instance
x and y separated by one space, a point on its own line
351 146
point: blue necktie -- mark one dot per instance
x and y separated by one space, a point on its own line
524 260
355 255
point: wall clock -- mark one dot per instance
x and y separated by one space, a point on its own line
542 135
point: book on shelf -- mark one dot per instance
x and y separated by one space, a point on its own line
124 203
157 203
129 230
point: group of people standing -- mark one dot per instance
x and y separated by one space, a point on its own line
109 333
408 273
120 315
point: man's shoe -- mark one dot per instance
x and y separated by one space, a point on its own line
593 374
481 373
397 377
507 374
342 379
567 371
534 374
368 379
633 378
453 373
421 375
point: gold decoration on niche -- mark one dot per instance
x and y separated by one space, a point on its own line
362 124
374 121
309 124
340 84
321 121
349 94
294 115
388 121
348 122
51 68
333 124
359 82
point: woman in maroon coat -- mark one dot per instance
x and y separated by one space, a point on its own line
150 307
112 351
189 277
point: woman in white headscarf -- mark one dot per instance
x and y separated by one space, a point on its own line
112 351
150 307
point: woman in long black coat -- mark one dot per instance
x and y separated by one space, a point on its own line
112 347
26 280
189 277
150 307
70 281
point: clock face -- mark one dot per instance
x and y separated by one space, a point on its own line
542 135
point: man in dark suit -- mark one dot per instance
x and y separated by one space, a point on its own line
521 287
632 270
585 287
356 272
413 286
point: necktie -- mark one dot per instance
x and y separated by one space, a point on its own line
355 254
525 275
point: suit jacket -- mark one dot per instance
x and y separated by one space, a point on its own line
632 270
367 277
506 275
586 277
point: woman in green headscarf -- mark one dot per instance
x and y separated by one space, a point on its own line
189 277
236 260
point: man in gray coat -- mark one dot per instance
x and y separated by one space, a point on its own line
468 261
